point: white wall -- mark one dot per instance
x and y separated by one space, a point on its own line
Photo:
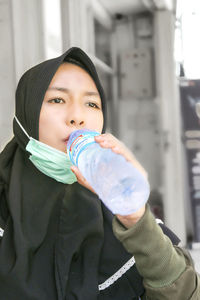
7 74
167 97
151 126
28 35
139 131
138 113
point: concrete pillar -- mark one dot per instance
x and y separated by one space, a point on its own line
167 97
27 17
21 31
7 78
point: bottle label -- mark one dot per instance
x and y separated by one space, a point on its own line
78 144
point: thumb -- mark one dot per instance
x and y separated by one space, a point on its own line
81 179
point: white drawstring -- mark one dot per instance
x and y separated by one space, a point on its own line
1 232
117 275
22 127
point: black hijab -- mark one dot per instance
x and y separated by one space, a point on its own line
58 241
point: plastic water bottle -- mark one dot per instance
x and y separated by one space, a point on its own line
121 187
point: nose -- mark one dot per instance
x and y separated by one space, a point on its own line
76 117
77 122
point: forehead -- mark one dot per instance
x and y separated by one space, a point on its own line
70 74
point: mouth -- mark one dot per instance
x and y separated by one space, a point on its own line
66 140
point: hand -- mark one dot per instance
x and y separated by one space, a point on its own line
107 140
129 220
81 180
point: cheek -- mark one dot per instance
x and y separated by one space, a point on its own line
96 122
50 117
47 123
43 126
101 121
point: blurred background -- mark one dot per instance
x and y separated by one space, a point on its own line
147 55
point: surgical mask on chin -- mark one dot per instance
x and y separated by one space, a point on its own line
50 161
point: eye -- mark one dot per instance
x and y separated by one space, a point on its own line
92 104
56 100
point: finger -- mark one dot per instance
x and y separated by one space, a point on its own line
109 141
81 179
78 174
117 149
131 158
99 139
106 144
104 136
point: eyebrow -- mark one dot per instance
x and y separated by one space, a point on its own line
67 91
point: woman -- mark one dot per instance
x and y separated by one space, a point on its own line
57 236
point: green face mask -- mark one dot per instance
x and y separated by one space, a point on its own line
50 161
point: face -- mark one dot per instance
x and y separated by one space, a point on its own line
71 102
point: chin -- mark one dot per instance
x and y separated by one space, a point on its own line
63 149
60 148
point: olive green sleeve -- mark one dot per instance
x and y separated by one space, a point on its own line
166 269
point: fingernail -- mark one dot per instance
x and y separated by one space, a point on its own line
98 137
116 148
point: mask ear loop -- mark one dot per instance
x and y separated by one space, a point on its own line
22 127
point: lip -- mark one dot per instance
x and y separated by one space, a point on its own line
65 140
